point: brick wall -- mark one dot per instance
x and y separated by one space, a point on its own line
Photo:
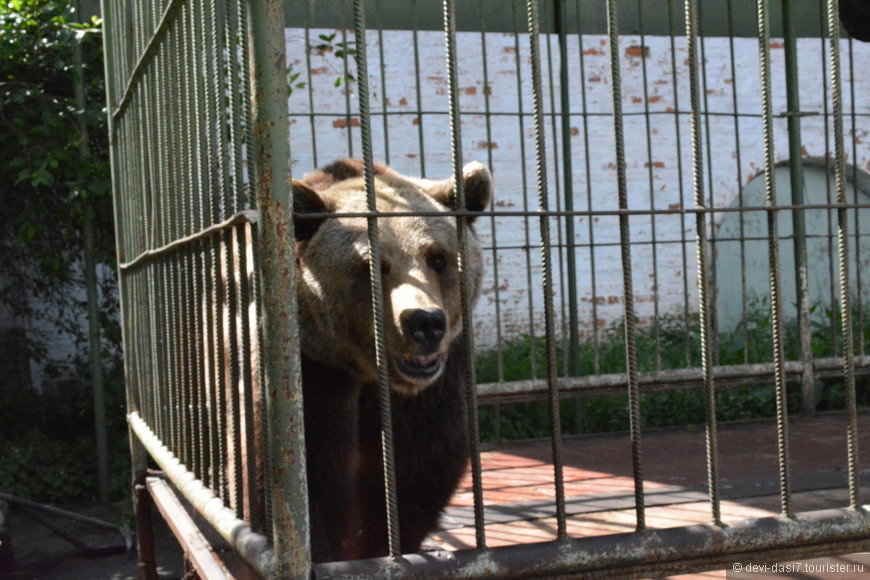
411 132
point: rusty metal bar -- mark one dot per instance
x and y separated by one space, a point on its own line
288 486
197 548
464 290
251 546
773 252
379 330
630 318
546 266
632 555
705 305
655 381
843 251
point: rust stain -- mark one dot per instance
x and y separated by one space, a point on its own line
656 164
641 51
342 123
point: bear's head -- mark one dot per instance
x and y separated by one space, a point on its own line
419 267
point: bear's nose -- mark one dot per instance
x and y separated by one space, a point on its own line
426 326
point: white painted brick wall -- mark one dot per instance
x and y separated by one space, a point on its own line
658 176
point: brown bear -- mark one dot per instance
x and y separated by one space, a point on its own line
423 334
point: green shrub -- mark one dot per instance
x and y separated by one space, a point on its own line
671 343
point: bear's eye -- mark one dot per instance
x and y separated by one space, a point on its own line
385 268
437 261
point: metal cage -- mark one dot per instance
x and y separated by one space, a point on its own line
203 96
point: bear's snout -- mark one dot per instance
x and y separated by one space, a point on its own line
426 326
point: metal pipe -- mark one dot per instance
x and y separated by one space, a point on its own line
632 555
251 546
676 379
283 384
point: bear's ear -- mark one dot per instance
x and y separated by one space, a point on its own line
305 201
340 170
477 183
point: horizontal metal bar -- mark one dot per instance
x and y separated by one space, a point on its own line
62 513
251 546
199 551
558 114
670 380
582 213
247 216
630 555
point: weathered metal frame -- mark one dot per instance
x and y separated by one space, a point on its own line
185 171
164 256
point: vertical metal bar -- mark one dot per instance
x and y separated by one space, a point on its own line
799 222
289 486
650 165
418 91
596 341
830 193
627 283
464 290
527 238
377 283
711 321
139 460
843 252
557 270
487 108
90 272
546 267
384 98
560 10
739 184
147 563
310 86
773 251
859 280
704 306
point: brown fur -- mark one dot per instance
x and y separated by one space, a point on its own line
423 325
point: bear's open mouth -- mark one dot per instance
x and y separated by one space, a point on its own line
420 367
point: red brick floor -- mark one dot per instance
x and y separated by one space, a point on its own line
518 489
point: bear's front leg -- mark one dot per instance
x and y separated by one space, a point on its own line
331 445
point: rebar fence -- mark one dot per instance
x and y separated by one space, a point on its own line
637 149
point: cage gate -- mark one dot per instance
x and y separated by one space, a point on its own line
657 263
